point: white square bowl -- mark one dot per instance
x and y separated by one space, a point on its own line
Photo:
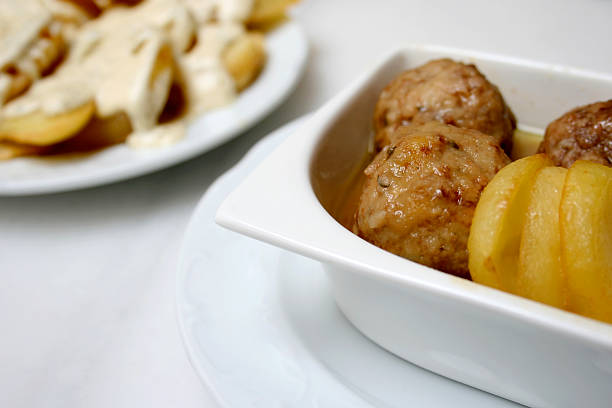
512 347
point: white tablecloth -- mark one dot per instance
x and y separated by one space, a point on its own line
87 278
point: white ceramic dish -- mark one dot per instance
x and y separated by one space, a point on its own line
509 346
262 330
287 50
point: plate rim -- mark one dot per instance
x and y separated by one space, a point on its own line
203 376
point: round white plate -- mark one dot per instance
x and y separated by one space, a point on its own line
262 330
287 50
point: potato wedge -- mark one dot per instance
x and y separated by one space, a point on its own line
267 11
540 276
41 129
99 133
495 234
10 150
244 58
586 239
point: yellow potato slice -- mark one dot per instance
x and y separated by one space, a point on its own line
495 234
12 85
99 133
10 150
540 276
41 129
244 58
524 144
586 239
267 11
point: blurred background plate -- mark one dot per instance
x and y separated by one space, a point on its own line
287 50
262 329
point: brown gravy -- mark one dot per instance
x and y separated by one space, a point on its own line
349 201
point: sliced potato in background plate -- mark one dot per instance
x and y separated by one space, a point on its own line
267 11
244 58
39 128
9 150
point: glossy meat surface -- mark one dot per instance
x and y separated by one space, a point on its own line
448 92
420 193
584 133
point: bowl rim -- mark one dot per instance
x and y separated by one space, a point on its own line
294 157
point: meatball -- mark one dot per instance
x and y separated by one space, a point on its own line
444 91
420 193
584 133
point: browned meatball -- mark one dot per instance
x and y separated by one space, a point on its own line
419 194
444 91
584 133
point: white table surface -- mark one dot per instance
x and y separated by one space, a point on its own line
87 288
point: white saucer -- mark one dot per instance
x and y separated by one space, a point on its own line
262 330
287 50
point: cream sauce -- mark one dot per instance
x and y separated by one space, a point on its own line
53 97
234 10
222 10
20 26
159 136
66 11
209 85
203 11
128 58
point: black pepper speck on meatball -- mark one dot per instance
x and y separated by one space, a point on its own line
584 133
444 91
420 193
